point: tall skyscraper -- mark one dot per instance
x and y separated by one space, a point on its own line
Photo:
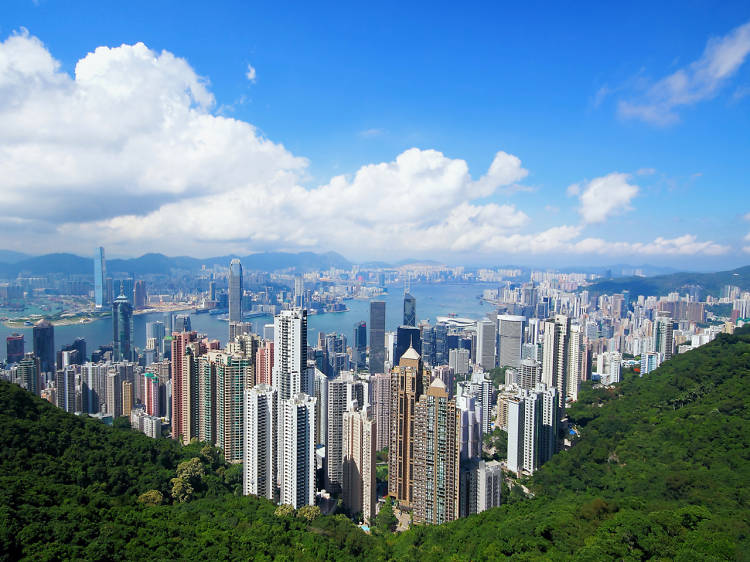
122 329
44 345
14 347
410 310
489 485
359 345
207 399
406 337
532 428
235 291
29 373
556 360
127 398
408 382
259 465
436 457
140 297
180 394
377 337
65 389
100 274
663 335
509 339
296 470
381 390
575 361
486 344
233 375
264 363
156 331
358 461
529 374
342 391
290 374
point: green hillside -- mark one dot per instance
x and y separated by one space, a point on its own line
661 470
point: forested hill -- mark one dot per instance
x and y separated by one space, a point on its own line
661 471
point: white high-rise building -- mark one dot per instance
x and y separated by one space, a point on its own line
609 366
358 461
509 339
556 361
259 466
381 387
489 485
321 407
664 335
532 428
296 471
486 344
529 373
458 360
342 391
650 361
575 362
290 374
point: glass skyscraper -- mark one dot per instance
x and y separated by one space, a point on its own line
235 291
122 329
100 272
377 336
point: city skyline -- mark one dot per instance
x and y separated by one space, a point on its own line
605 153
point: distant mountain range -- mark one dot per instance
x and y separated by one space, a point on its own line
709 283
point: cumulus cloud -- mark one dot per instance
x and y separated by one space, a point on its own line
131 152
699 81
603 197
250 74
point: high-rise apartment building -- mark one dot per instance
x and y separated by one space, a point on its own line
556 356
296 469
232 375
529 373
29 373
359 435
532 428
489 485
259 465
264 363
100 274
290 374
180 394
381 390
127 398
377 337
664 335
436 457
207 392
342 391
65 389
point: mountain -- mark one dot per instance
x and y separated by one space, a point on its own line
146 264
10 256
709 283
660 471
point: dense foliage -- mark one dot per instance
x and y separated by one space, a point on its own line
661 470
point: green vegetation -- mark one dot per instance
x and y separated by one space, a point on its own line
495 446
660 470
497 376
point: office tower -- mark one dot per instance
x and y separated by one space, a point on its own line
320 385
663 335
127 288
509 338
296 470
122 329
407 385
100 273
381 389
235 291
206 399
489 485
486 344
406 337
93 387
155 331
65 389
264 363
239 328
290 373
44 346
127 398
299 292
179 346
268 332
359 345
14 346
436 457
29 373
650 361
109 290
114 393
73 353
556 361
233 373
377 337
358 460
342 391
181 323
532 428
458 360
529 373
259 468
140 297
410 310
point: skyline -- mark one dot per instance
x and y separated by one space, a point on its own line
160 151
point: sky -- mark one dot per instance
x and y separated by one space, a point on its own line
482 134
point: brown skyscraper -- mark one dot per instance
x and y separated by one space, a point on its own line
436 457
181 391
407 385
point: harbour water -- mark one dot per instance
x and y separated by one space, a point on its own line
433 300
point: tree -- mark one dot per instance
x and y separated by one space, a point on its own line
182 491
151 498
385 520
309 512
285 510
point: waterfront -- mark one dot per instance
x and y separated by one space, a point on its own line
433 300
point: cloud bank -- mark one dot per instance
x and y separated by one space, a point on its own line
130 152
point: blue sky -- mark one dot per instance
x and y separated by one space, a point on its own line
575 93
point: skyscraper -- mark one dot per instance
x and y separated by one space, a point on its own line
127 397
406 337
156 331
290 354
663 335
436 457
100 273
179 345
358 461
296 470
532 428
44 346
342 391
486 344
556 361
29 373
232 374
410 310
359 347
381 390
14 346
377 337
139 294
407 385
259 466
122 329
235 291
509 339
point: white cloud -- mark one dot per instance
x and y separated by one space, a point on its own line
747 217
371 133
699 81
603 197
130 152
250 74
